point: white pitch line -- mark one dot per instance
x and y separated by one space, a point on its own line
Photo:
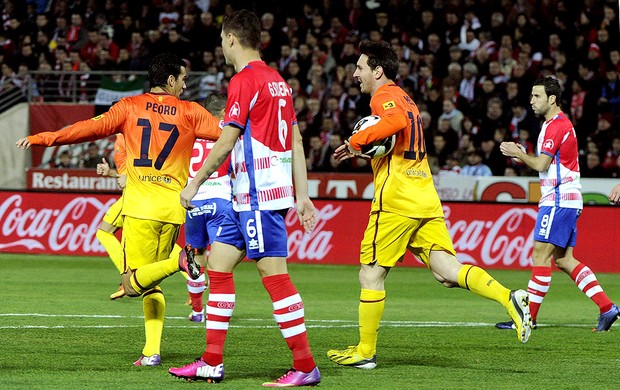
309 323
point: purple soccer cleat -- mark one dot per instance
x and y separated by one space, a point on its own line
196 317
296 378
607 319
199 371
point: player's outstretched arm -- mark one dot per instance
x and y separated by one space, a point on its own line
305 208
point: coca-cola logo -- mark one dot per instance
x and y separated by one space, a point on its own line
296 306
69 228
226 305
506 239
316 244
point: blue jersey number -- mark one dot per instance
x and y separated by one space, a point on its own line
144 160
417 146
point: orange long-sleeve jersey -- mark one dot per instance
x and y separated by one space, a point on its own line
403 180
159 132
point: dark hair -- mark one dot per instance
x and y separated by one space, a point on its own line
246 27
215 102
162 66
552 87
380 54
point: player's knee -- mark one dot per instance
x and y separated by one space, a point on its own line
129 289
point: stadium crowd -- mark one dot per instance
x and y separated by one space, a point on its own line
468 64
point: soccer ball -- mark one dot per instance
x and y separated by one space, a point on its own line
378 148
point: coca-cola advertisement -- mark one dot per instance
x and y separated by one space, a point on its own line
491 235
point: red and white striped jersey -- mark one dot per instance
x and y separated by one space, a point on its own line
559 185
261 105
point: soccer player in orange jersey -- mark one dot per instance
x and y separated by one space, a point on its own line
159 131
406 212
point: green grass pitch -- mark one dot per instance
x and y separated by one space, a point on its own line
59 330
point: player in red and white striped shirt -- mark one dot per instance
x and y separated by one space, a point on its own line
559 207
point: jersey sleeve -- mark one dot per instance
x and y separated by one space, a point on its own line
207 126
393 119
238 104
554 136
92 129
120 154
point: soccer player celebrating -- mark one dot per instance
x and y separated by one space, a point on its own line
559 207
209 206
406 211
159 131
261 126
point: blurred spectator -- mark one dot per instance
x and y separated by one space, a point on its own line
610 94
511 171
315 153
492 156
452 115
611 155
452 166
593 167
8 78
438 155
92 157
76 33
64 160
474 166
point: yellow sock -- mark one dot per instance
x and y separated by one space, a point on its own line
478 281
150 275
113 247
154 306
371 307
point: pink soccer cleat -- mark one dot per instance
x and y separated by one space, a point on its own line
296 378
199 371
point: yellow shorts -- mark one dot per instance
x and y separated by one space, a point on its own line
146 241
113 215
389 235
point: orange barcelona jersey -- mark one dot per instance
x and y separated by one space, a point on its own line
403 180
159 132
120 154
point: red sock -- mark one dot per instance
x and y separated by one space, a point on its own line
195 289
219 310
538 287
587 282
288 311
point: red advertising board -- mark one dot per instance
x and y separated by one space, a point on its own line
494 236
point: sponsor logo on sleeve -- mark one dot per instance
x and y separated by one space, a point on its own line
234 110
548 144
98 117
388 105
